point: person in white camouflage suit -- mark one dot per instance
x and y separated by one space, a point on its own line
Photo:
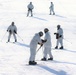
52 9
33 46
30 8
12 29
59 37
47 46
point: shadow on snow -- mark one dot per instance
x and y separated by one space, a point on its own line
71 51
21 44
61 72
64 62
60 16
40 18
65 50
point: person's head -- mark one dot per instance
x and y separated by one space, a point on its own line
12 23
46 30
58 26
51 2
40 33
30 2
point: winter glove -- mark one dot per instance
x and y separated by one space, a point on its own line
60 36
7 30
43 41
41 44
15 32
38 43
10 31
57 36
55 33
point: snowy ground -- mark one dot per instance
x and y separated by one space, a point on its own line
14 57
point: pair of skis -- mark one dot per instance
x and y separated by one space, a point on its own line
11 42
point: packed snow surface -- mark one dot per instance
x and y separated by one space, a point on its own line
14 57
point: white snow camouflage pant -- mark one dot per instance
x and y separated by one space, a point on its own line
52 11
32 54
60 40
13 35
47 51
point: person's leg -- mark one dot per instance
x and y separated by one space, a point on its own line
28 12
15 37
57 43
44 54
53 12
50 12
31 12
32 56
61 43
50 54
9 37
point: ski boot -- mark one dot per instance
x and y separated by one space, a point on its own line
32 63
15 40
50 58
56 47
53 13
61 47
8 41
50 14
31 15
43 59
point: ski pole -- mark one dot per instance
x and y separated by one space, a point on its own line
39 48
67 40
3 36
19 37
42 49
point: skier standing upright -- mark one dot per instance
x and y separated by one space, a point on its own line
33 45
47 46
52 9
30 8
12 29
59 37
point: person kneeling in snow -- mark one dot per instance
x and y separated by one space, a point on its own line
33 45
12 29
47 46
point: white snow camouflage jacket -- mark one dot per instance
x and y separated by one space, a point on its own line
48 38
12 28
30 6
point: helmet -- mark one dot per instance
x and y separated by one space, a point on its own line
58 25
41 33
30 2
46 30
51 2
12 23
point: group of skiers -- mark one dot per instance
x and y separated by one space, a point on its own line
47 46
46 42
31 7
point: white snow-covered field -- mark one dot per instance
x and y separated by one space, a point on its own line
14 57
